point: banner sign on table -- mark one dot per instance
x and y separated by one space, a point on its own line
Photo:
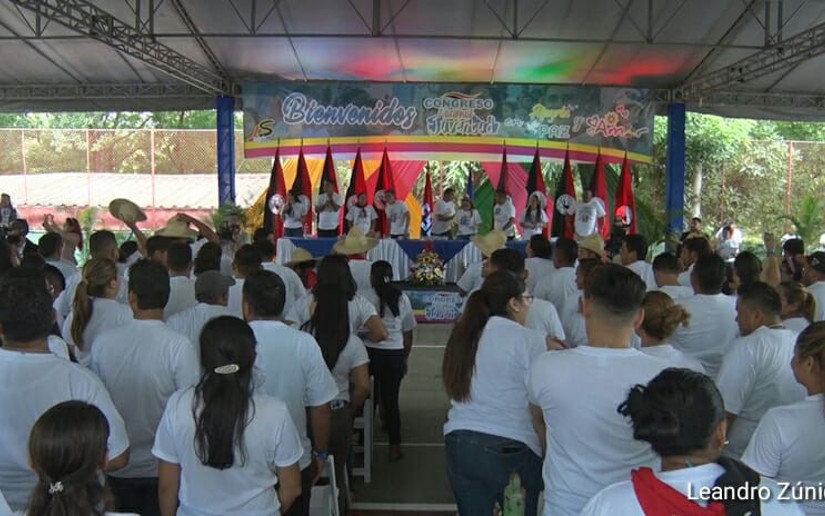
431 306
450 121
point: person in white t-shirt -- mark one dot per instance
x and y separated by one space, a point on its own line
682 415
247 261
292 369
444 213
633 255
588 215
95 308
388 357
559 287
355 246
468 220
539 261
398 216
472 277
534 218
182 286
212 294
712 316
666 273
756 374
504 214
67 451
590 444
489 434
362 216
293 212
575 329
50 247
662 317
788 445
813 277
224 447
692 249
32 380
798 306
142 363
294 286
328 205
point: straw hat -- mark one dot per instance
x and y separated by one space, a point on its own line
491 242
593 243
176 228
355 242
126 210
300 255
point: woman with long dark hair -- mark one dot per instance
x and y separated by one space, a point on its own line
222 447
388 358
533 218
489 433
682 415
71 233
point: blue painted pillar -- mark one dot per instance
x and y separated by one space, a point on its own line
226 149
675 179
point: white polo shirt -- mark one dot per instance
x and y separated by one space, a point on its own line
674 357
66 268
292 283
106 314
620 498
396 325
396 216
538 268
645 271
544 317
191 322
788 445
684 277
293 370
498 403
181 296
361 271
711 330
818 291
558 287
328 218
468 222
591 445
353 355
502 213
676 292
30 384
271 441
362 217
360 310
296 218
142 363
445 208
235 296
472 278
755 376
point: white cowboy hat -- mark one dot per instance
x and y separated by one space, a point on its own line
126 210
491 242
176 228
355 242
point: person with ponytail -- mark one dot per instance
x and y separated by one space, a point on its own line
662 317
680 413
95 308
224 448
388 358
789 443
67 451
798 306
490 434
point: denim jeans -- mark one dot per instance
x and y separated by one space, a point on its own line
479 468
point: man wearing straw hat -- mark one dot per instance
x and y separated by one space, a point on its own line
303 263
355 246
487 244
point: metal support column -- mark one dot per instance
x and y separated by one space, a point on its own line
226 149
675 179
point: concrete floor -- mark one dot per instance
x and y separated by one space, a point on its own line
417 483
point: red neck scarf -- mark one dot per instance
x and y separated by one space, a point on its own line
659 499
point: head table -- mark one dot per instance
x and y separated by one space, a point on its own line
457 255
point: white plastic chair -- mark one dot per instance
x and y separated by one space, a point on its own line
365 423
324 500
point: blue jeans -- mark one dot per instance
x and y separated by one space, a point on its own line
479 468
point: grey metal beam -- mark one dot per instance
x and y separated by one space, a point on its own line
98 91
193 29
98 24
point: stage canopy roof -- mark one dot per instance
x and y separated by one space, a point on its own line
749 58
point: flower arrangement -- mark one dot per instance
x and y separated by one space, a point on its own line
428 268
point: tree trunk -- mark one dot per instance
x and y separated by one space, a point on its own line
697 190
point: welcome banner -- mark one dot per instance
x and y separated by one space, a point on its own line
447 121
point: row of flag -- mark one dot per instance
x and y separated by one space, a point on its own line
560 224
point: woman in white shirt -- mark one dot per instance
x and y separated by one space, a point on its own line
682 415
534 218
798 306
95 308
489 434
789 443
67 451
388 358
468 220
293 212
223 448
662 318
